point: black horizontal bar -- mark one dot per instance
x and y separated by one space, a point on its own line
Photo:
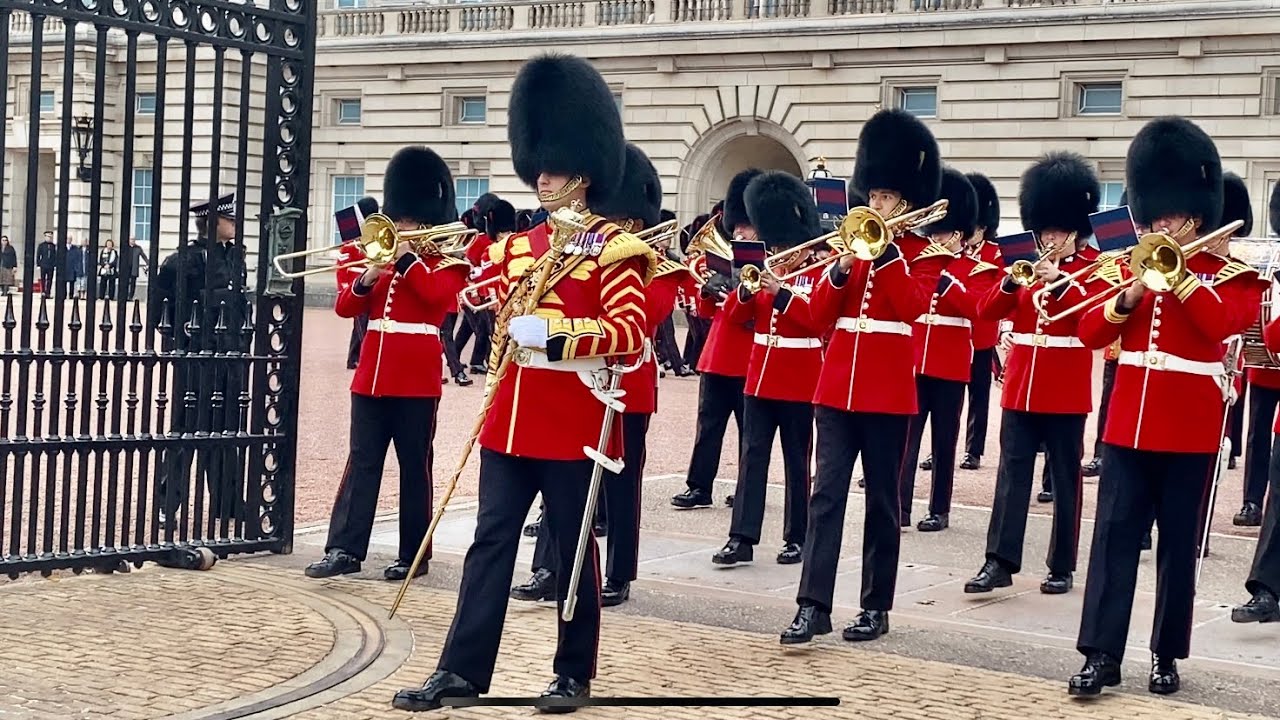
138 357
91 558
560 702
74 443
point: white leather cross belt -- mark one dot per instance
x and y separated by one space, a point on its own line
1053 341
786 342
530 358
395 327
932 319
1159 360
868 325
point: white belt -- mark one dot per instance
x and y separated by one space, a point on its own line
528 358
932 319
395 327
786 342
1159 360
1053 341
867 325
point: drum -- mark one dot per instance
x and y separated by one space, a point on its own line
1262 256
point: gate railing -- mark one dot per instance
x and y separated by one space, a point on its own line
161 428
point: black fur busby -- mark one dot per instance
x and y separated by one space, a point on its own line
584 140
418 187
1274 208
988 203
639 195
718 207
666 215
688 231
500 218
962 205
735 206
853 198
1235 203
781 209
1059 191
896 151
1173 168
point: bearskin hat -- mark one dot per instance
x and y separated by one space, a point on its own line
962 205
1235 203
500 218
1173 168
735 206
418 187
896 151
666 215
781 209
1275 209
587 141
524 220
988 203
688 231
853 198
639 195
1059 191
484 202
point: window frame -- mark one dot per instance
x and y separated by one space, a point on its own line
342 102
1113 184
482 186
460 105
53 102
340 204
137 104
902 92
141 204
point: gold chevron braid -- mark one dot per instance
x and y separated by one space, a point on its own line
522 301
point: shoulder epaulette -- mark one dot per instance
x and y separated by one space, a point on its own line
934 250
498 250
448 262
1233 268
1108 272
624 246
668 267
982 267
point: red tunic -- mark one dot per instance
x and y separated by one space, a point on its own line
400 355
349 252
1270 338
986 333
943 334
1168 392
786 349
868 365
542 407
1048 369
641 385
727 348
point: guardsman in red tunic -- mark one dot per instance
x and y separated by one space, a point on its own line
1048 375
498 221
1164 428
396 389
866 390
943 340
546 407
636 204
349 221
1264 577
983 247
785 358
723 365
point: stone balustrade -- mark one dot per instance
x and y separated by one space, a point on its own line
468 17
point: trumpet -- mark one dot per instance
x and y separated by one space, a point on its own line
1040 295
484 292
1023 272
1158 262
656 234
378 241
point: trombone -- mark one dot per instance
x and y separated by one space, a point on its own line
379 238
656 234
1158 262
478 290
1023 272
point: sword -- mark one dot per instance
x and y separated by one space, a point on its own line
1230 363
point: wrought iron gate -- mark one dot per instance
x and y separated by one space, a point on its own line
150 420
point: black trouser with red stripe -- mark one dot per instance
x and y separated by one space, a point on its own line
620 502
1021 435
1257 454
719 396
762 420
1137 486
980 375
376 422
508 485
695 338
1265 573
940 401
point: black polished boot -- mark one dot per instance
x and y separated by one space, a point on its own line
927 463
970 462
1231 462
531 530
990 577
462 380
1093 468
1100 670
335 562
870 625
442 684
1261 608
934 523
1146 541
399 570
809 621
1044 496
1249 516
1056 584
691 499
734 552
599 529
1164 676
540 588
568 689
614 593
791 554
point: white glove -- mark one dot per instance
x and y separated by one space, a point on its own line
475 273
528 331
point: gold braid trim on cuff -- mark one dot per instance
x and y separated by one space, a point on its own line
1111 312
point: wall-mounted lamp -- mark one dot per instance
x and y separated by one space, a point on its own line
84 145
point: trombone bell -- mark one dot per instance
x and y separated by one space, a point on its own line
864 233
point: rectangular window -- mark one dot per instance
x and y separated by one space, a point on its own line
47 102
346 4
348 112
919 101
472 110
142 178
1111 192
617 100
347 191
1103 98
468 190
146 104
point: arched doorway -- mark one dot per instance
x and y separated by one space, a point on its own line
725 151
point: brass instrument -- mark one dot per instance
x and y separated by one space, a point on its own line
708 240
662 231
1158 262
1023 272
1263 255
379 239
483 301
